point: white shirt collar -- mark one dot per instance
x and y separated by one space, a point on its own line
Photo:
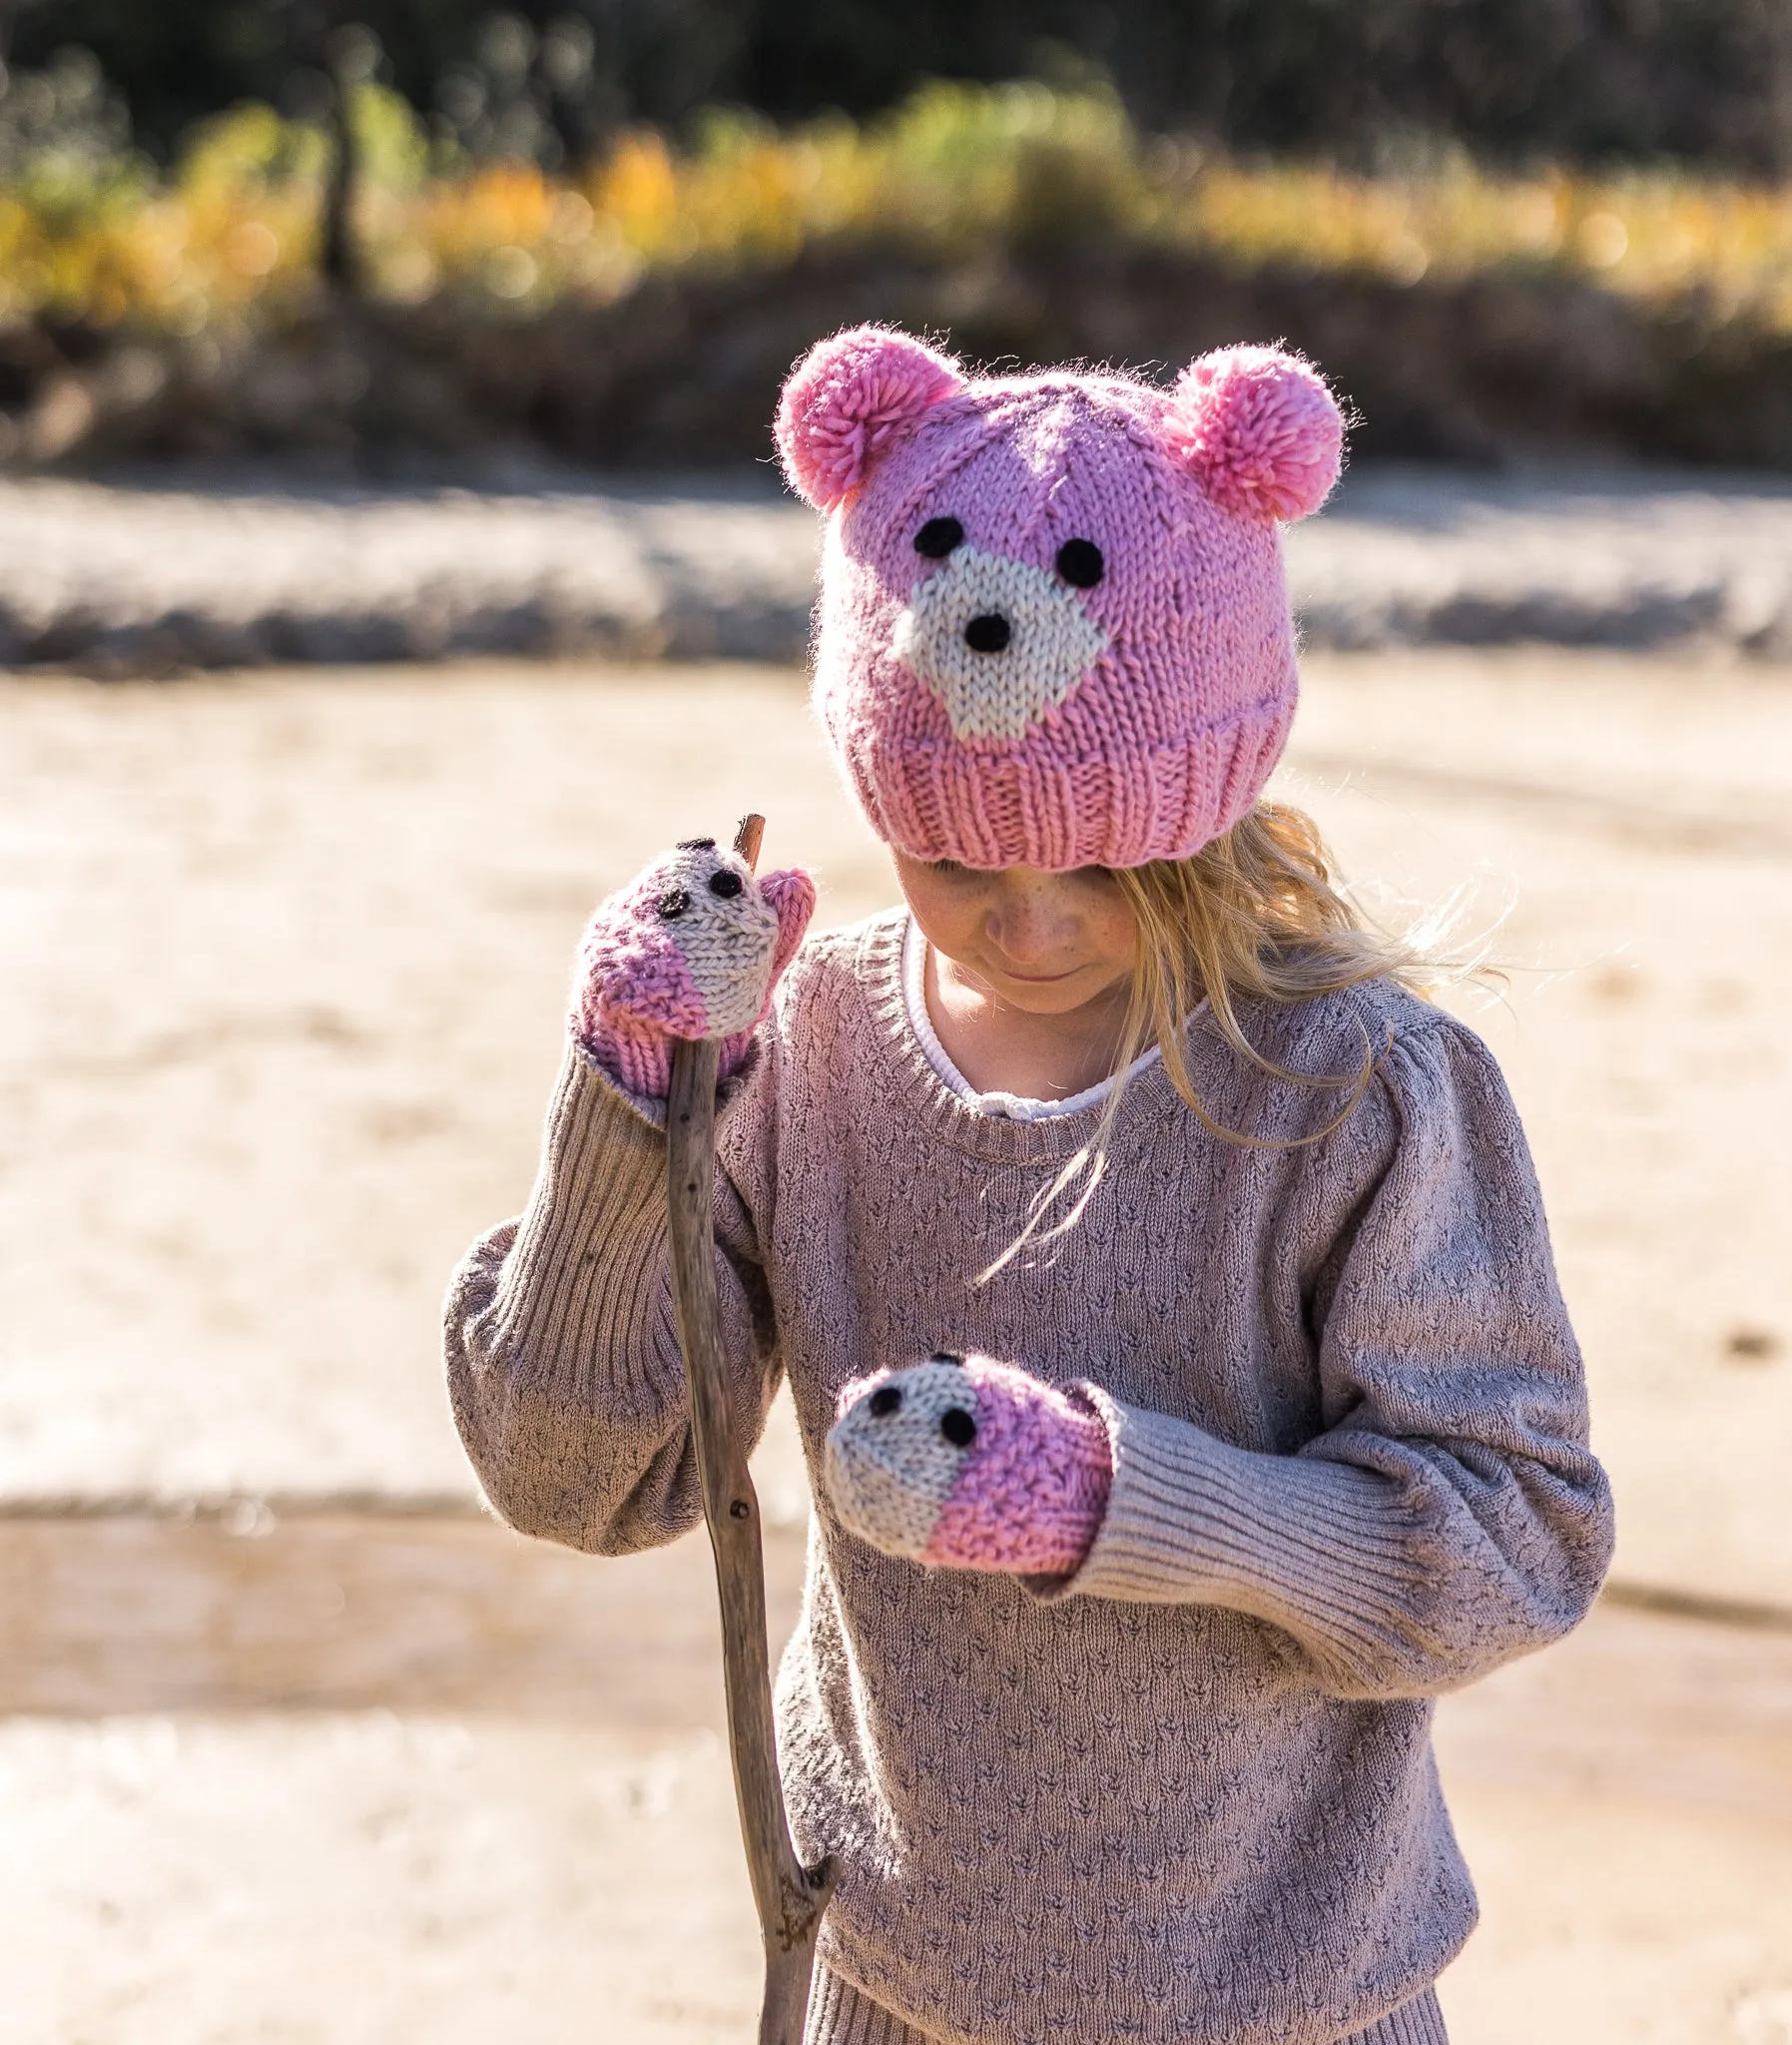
1015 1107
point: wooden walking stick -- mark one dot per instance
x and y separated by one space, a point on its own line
790 1898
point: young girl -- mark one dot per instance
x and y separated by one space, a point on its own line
1162 1286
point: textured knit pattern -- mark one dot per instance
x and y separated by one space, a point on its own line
847 400
970 1465
1262 430
1053 628
1186 1793
840 2016
690 948
1051 643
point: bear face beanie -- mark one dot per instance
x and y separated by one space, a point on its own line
1054 630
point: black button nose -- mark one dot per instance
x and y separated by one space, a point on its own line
958 1427
884 1401
988 633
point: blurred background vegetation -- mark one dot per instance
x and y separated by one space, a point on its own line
383 231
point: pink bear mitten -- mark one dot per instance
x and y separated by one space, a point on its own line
690 948
969 1464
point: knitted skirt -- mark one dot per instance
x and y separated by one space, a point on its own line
840 2016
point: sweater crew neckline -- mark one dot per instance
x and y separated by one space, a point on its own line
1045 1139
1018 1108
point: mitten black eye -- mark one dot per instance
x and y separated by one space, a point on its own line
884 1401
958 1427
1081 563
938 538
673 903
726 884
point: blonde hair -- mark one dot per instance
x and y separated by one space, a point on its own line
1254 915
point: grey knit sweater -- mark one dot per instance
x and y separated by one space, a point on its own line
1187 1794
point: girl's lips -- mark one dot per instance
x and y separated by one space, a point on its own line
1040 978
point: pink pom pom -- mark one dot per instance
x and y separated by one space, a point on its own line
1260 428
848 400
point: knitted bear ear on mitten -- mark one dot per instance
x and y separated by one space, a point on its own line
966 1463
1054 630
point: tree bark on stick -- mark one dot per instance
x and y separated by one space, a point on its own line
790 1898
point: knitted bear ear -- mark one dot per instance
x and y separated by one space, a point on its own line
1260 429
848 400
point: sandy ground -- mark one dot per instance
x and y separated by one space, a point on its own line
329 1759
505 1805
287 960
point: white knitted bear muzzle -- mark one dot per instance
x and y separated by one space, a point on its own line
888 1468
997 641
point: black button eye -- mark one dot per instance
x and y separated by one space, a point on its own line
884 1401
1081 563
938 538
726 884
673 903
958 1427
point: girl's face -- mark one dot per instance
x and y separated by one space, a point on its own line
1047 943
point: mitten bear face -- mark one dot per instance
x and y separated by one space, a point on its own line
968 1462
699 947
1054 630
690 948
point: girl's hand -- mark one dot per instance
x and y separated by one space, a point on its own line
965 1463
690 948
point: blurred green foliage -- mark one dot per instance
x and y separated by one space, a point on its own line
91 236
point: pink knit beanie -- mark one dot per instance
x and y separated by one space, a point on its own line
1055 630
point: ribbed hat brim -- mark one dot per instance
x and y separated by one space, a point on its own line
938 800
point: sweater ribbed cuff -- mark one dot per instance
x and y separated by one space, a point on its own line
839 2014
601 1185
1418 2022
585 1077
1317 1547
590 1254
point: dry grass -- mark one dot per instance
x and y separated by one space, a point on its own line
231 234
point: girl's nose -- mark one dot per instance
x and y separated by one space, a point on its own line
1030 925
